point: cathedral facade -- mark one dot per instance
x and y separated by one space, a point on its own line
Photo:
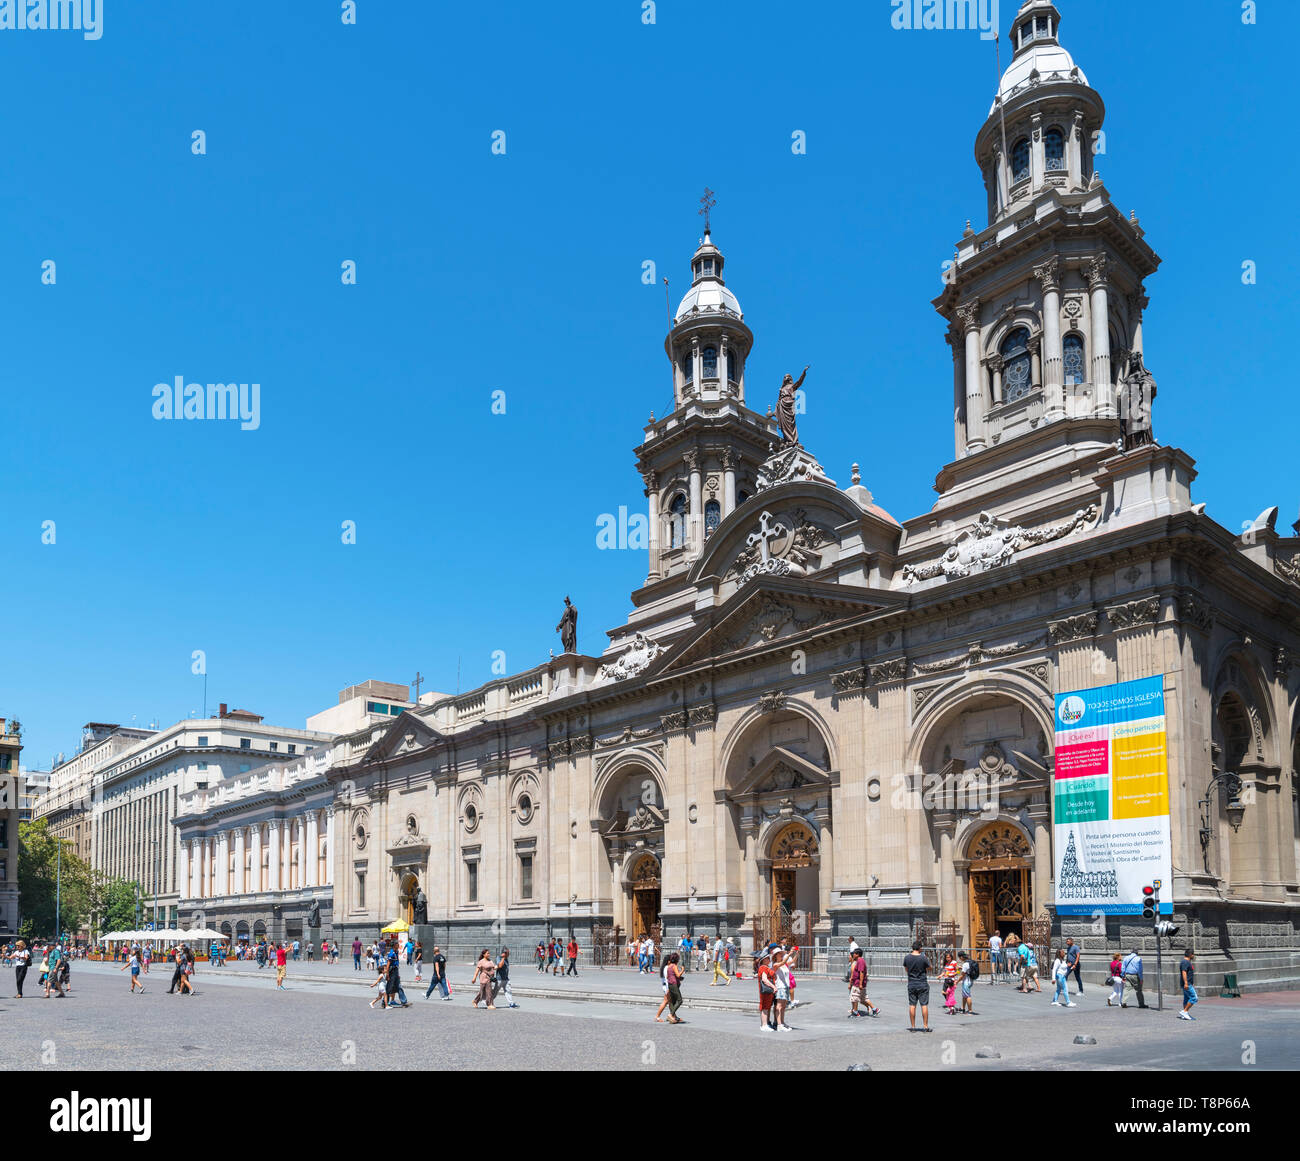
821 720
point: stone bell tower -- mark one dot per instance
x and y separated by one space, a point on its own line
700 461
1044 304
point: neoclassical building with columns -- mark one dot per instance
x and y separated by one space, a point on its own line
785 733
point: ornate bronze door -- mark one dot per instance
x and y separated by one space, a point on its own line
645 896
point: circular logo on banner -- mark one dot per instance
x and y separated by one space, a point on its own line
1072 710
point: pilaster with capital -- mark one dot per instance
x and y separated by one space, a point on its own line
696 516
652 495
728 482
1048 275
1098 286
311 850
968 315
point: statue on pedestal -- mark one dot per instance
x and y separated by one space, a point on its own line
568 628
421 907
313 914
1136 392
785 407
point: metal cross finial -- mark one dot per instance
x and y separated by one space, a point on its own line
707 202
419 681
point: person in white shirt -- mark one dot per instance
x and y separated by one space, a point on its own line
995 956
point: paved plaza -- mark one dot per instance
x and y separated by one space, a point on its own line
604 1020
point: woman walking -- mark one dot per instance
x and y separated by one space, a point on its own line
483 973
949 973
663 981
782 1000
503 977
187 971
1060 973
22 960
1116 980
674 975
419 960
134 964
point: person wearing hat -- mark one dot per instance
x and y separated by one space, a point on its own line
766 990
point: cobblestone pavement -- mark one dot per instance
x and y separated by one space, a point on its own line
322 1021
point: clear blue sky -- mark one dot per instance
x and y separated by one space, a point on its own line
522 273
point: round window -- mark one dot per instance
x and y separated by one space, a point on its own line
360 835
525 808
471 816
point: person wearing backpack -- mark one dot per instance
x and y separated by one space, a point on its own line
970 972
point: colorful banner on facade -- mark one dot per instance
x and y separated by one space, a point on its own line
1111 799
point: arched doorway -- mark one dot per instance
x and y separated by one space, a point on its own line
795 861
643 883
1000 882
406 898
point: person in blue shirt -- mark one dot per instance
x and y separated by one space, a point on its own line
393 979
1029 968
1131 970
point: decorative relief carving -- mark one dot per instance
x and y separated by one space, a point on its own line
1193 611
849 680
703 714
580 744
771 701
1037 672
1135 613
922 695
989 543
1288 569
674 721
1133 575
1072 629
1282 661
886 671
977 654
969 314
635 659
558 748
1096 271
1048 273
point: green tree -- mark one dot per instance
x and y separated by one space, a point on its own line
116 905
42 874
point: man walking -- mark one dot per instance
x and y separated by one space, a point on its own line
297 949
281 964
1072 958
917 967
719 951
1131 970
438 976
1187 976
356 953
572 949
995 957
393 979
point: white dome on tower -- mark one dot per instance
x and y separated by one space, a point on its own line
1034 35
708 292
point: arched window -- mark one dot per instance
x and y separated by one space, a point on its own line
1016 365
732 376
741 496
688 367
710 362
677 521
1054 149
712 516
1020 160
1072 352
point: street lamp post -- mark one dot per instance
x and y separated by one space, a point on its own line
1230 784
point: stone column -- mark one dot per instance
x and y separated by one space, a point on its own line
1037 154
183 871
1074 153
995 363
240 850
695 515
1103 390
273 870
697 365
826 872
310 848
652 494
958 393
1137 303
286 854
256 851
223 864
205 869
728 483
722 365
1036 362
329 845
1053 371
969 316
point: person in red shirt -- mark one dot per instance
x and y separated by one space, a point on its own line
766 989
281 965
572 949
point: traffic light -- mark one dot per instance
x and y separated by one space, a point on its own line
1150 902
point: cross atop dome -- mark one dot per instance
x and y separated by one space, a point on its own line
707 202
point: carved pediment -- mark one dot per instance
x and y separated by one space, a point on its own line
781 772
406 734
768 610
